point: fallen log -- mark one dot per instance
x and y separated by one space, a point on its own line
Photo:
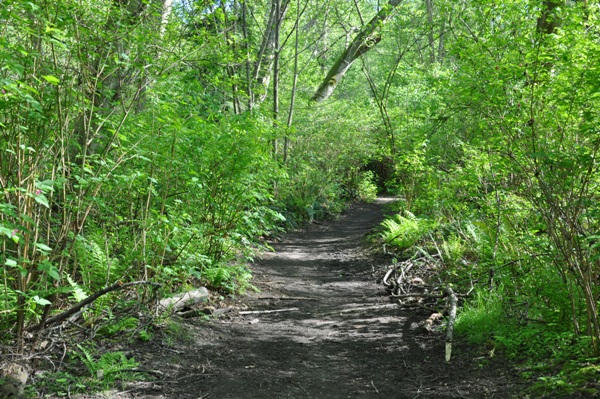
184 300
431 320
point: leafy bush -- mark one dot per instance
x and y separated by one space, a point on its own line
366 188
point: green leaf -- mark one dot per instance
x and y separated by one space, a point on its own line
8 210
51 79
45 185
41 301
50 269
78 292
43 247
42 200
10 262
5 231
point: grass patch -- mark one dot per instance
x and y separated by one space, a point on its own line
479 319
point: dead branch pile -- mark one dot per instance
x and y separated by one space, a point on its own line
410 282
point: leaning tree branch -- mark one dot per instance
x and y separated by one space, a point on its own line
367 38
81 304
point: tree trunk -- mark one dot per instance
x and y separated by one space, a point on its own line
109 82
166 13
290 118
248 63
429 4
548 21
277 30
441 48
231 67
366 39
381 99
266 53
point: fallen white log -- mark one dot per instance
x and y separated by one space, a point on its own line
185 300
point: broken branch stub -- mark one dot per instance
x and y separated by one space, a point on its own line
453 300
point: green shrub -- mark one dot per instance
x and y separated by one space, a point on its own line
366 188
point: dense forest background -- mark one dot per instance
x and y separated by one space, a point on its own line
158 141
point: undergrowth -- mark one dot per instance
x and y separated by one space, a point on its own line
555 361
518 306
86 372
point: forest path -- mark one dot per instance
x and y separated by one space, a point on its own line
340 336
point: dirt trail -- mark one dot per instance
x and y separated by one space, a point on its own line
341 336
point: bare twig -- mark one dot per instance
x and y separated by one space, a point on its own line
374 387
287 298
81 304
417 306
267 311
358 309
301 387
387 275
417 295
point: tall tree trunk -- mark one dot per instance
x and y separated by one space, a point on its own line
441 49
429 5
108 81
166 13
248 64
266 53
381 99
290 118
548 20
367 38
228 27
277 31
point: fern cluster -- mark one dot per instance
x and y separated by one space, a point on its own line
93 255
406 231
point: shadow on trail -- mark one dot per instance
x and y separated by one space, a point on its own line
336 335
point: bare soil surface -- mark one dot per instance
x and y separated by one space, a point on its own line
335 333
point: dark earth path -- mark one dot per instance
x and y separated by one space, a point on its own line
340 336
